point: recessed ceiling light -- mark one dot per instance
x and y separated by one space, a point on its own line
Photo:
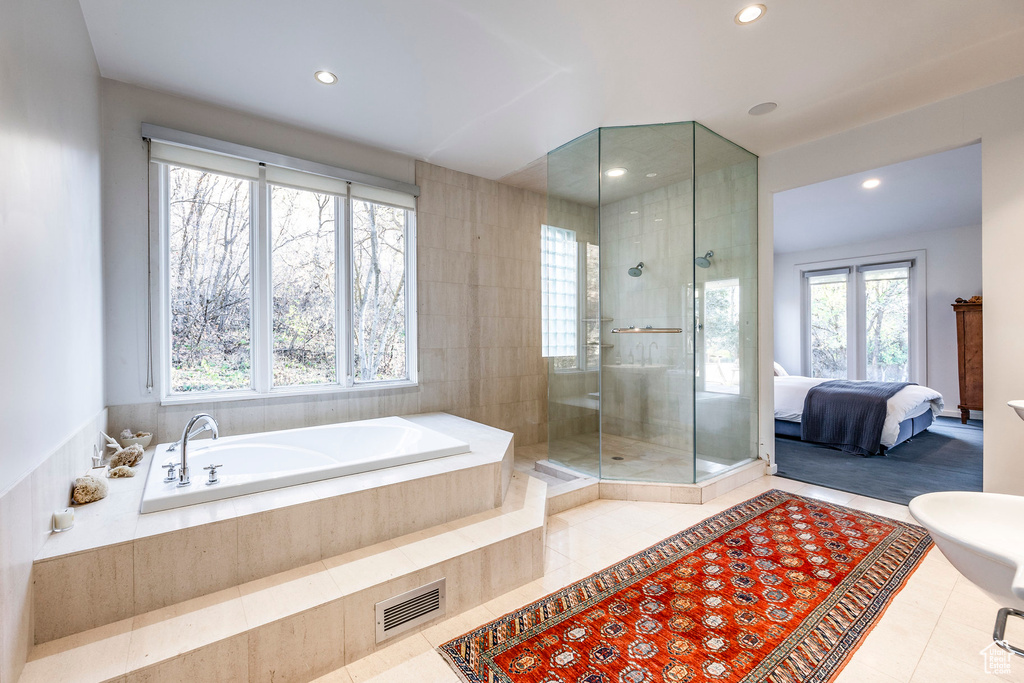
871 183
658 220
325 77
763 108
750 14
615 172
633 213
651 175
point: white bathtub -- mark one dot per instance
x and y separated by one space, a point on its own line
270 460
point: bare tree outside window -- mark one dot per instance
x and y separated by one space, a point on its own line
887 324
378 296
209 280
302 266
828 326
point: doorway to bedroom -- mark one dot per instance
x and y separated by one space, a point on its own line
878 304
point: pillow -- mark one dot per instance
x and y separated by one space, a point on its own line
780 371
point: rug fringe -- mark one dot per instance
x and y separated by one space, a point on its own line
455 667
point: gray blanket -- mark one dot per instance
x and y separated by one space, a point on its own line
847 414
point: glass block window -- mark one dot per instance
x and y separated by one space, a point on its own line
559 265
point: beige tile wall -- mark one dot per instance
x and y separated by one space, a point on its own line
478 247
25 513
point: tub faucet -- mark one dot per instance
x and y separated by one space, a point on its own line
209 423
650 354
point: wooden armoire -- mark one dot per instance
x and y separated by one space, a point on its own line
968 345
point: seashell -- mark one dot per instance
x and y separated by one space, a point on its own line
120 472
89 488
129 456
127 434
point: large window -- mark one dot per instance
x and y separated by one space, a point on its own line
275 280
827 296
887 323
864 321
208 216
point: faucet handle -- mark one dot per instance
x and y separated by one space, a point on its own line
171 474
213 474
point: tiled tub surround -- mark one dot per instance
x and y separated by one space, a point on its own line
478 291
305 622
26 510
118 563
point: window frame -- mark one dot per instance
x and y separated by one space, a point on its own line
261 297
856 346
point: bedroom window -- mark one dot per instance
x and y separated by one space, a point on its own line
887 322
864 321
275 280
827 299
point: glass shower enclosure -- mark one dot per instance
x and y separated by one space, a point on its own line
649 304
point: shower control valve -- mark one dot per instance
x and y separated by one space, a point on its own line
213 479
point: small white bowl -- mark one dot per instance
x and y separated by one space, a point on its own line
141 440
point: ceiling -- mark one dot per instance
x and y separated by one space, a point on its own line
487 87
935 192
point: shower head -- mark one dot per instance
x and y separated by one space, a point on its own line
637 270
705 260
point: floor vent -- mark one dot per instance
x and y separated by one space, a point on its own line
403 612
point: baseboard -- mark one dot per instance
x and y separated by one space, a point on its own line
975 414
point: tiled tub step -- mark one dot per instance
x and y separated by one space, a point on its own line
118 564
302 623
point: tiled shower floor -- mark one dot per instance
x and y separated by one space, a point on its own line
630 459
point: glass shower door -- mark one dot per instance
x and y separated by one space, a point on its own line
570 305
725 304
646 218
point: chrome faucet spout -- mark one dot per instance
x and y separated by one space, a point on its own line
193 434
209 424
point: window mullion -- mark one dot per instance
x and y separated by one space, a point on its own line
340 339
346 284
262 289
411 308
164 251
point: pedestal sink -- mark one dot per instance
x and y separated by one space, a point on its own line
982 536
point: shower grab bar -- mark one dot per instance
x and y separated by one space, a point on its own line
648 329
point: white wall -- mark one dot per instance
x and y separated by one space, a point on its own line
992 115
953 265
126 202
51 340
51 347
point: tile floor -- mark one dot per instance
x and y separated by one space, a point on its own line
932 632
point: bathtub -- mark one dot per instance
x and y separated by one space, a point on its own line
251 463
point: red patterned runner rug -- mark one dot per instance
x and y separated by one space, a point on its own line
779 588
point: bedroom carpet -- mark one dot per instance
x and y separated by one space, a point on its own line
946 457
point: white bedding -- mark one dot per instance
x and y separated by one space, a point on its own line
910 401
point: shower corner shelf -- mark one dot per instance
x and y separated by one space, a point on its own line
599 320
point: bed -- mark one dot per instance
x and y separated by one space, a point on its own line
909 411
